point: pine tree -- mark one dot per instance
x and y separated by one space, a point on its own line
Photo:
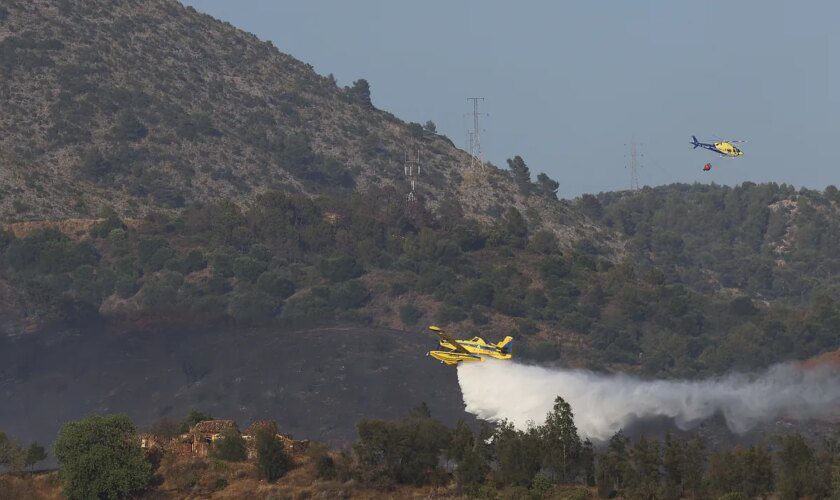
521 173
547 186
461 442
560 440
799 472
646 463
613 470
673 465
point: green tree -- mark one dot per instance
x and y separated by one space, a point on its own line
514 229
100 457
34 454
461 441
540 486
410 315
248 269
272 460
472 467
192 418
799 474
343 268
429 127
230 446
251 306
544 242
547 186
646 463
360 93
521 173
560 441
273 283
407 451
12 454
517 454
744 471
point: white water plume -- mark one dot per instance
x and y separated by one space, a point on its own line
603 404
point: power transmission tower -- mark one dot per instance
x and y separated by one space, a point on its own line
412 172
633 164
474 135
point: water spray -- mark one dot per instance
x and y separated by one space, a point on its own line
603 403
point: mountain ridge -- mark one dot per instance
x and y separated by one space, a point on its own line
154 106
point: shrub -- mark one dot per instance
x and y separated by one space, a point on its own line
273 283
325 467
230 446
94 166
129 127
248 269
272 460
339 269
478 292
398 289
451 314
544 242
252 306
540 485
192 418
311 306
351 295
410 315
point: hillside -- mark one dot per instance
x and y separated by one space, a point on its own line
152 105
767 241
163 169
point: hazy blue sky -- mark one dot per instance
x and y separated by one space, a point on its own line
568 84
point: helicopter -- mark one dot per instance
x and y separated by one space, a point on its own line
723 148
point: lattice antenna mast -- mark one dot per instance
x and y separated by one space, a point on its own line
412 172
633 164
474 135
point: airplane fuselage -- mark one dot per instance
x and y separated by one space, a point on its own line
480 348
475 349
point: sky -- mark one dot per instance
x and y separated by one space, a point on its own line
568 85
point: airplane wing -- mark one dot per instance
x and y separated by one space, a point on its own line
445 336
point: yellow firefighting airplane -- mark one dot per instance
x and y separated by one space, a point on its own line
468 350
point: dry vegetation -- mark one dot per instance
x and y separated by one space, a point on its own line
153 105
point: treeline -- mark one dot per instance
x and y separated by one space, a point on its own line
17 457
293 260
100 456
539 461
768 240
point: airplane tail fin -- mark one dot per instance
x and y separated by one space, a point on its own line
505 345
694 141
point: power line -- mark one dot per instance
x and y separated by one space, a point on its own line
633 164
412 172
474 135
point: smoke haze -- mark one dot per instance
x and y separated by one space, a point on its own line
603 404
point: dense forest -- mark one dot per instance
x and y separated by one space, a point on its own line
364 258
768 241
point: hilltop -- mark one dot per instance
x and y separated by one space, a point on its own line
142 106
